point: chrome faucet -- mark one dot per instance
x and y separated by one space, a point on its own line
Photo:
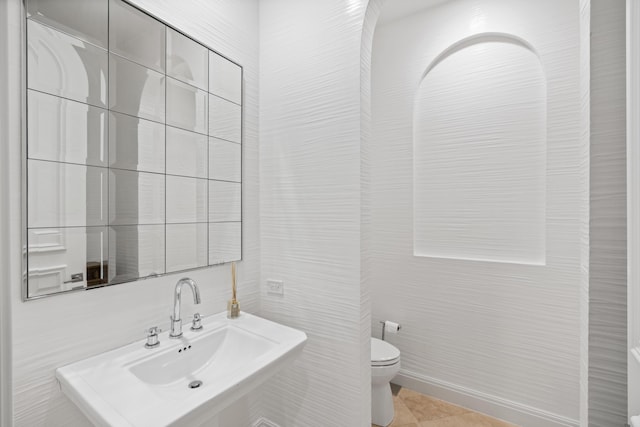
176 321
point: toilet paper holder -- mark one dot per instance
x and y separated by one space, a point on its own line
384 324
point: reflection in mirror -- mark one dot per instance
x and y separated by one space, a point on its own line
133 152
186 153
61 65
88 21
225 78
66 195
186 200
224 119
136 36
224 160
136 198
186 106
186 246
61 130
136 144
224 242
135 251
224 201
187 60
136 90
62 259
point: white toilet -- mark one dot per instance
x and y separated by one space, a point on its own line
385 364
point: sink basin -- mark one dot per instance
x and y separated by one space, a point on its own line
211 356
182 381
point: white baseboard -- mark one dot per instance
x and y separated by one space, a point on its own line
507 410
263 422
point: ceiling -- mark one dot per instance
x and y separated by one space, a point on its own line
396 9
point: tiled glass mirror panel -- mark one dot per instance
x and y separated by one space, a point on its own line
133 149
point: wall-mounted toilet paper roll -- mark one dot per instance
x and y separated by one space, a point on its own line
389 326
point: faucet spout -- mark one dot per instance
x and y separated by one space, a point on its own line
176 321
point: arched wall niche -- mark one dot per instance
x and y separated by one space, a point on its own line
479 145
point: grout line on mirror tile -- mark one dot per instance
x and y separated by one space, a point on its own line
187 83
189 130
121 56
166 261
67 163
60 30
108 151
68 227
225 140
106 107
226 99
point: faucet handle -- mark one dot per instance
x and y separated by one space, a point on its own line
196 325
152 337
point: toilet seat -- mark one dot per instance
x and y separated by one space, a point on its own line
383 353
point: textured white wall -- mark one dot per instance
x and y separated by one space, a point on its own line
585 61
506 332
55 331
608 208
9 194
479 151
310 205
370 21
310 168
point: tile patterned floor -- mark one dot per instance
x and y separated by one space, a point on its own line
417 410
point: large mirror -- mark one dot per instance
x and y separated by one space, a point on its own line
133 148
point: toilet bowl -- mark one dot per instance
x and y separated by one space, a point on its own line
385 364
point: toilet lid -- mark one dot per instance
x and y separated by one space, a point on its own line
383 353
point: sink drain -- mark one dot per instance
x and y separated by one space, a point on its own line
195 384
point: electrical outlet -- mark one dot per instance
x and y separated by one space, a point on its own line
275 287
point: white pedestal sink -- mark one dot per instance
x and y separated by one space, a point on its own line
135 386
